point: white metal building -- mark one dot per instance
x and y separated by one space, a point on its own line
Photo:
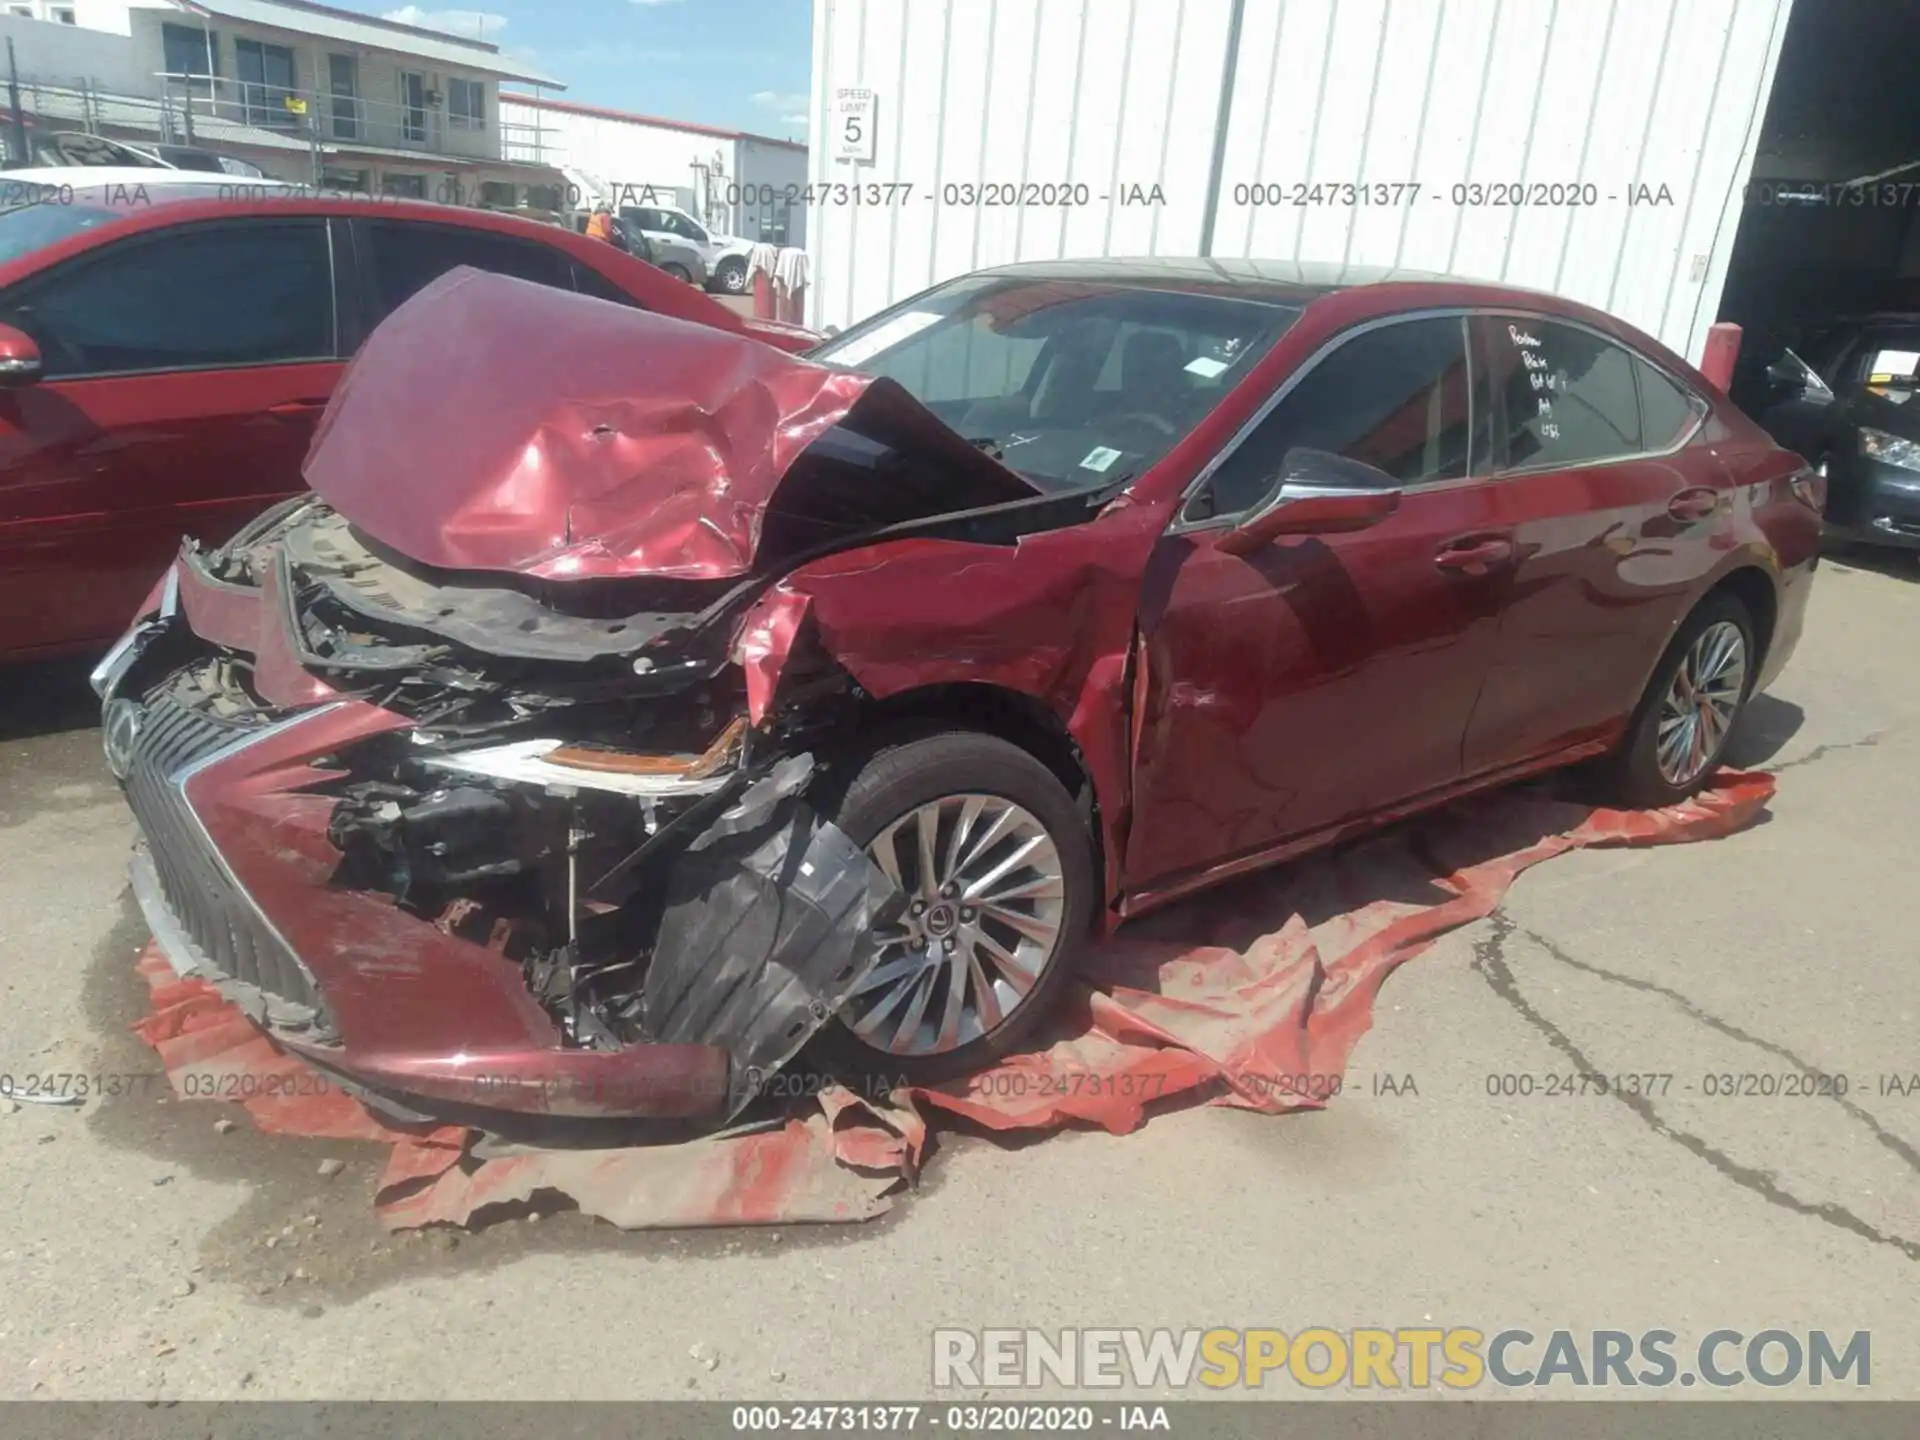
1025 129
733 181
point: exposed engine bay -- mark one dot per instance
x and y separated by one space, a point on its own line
578 811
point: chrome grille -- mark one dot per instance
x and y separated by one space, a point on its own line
234 943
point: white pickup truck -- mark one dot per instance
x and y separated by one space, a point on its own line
722 258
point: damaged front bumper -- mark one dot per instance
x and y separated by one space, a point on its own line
451 924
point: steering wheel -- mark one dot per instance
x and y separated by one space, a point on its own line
1139 422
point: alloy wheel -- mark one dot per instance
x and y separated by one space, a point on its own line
986 901
1701 703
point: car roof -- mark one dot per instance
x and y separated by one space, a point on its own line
1341 295
1280 281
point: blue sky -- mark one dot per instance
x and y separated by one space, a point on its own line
742 64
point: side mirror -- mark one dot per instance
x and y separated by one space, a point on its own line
19 357
1317 494
1791 378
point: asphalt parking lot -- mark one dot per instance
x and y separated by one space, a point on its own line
148 1254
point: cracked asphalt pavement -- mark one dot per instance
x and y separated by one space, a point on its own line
149 1253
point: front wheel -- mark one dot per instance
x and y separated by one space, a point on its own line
1691 705
996 861
732 277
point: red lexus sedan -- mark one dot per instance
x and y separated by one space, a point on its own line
166 348
630 704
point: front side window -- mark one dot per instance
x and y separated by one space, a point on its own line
400 259
258 293
589 281
1396 397
1567 397
1075 384
466 104
669 222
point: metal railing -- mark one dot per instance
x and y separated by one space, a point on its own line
196 110
459 122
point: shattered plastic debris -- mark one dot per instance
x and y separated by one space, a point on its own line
1220 1000
766 929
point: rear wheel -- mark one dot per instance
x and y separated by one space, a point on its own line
996 862
678 272
1690 707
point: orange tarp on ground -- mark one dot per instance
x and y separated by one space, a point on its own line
1253 995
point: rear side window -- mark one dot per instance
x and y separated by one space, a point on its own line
398 260
243 293
1565 396
1667 410
1395 397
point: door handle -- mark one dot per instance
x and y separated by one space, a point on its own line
296 408
1696 503
1474 555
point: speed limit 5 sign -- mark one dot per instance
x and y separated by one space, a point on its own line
853 119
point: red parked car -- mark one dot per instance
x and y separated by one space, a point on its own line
165 350
631 704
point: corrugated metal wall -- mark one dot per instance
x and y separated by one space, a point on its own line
1114 94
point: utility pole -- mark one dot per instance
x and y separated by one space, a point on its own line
19 146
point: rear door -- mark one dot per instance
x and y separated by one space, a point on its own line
183 371
1320 679
1617 516
398 258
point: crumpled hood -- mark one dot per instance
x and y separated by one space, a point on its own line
495 424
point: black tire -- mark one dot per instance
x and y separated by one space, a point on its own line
678 272
914 768
1633 777
731 277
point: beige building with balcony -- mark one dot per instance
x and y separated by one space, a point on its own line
304 91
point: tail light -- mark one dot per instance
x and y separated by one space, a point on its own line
1810 489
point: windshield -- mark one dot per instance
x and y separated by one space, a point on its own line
26 228
92 150
1074 384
